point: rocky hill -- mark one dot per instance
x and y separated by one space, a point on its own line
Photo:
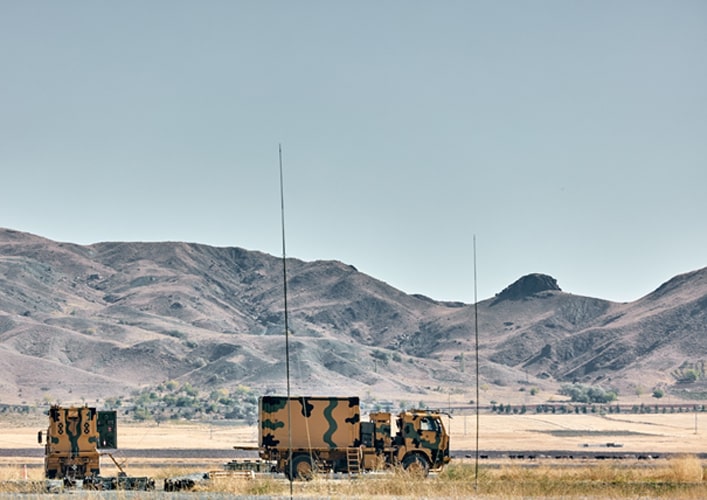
89 322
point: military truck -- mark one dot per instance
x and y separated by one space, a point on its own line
71 451
327 434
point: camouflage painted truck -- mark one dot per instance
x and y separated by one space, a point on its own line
327 434
71 451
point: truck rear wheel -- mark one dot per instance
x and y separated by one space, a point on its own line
303 468
416 464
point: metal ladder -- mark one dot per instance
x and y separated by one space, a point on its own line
353 460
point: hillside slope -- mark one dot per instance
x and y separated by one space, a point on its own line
100 320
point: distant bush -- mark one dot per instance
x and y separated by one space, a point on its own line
380 355
580 393
175 401
689 372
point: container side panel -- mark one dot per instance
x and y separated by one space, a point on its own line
316 422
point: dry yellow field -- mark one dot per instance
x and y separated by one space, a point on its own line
671 433
181 435
664 433
167 436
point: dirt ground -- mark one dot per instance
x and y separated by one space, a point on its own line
673 433
662 433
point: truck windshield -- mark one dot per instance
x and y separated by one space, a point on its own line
429 424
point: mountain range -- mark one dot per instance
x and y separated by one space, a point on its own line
84 322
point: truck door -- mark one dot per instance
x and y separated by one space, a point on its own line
429 433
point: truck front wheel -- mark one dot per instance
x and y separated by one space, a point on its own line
416 464
302 468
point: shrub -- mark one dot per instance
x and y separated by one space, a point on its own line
580 393
380 355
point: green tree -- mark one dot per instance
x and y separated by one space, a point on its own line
189 390
141 414
580 393
380 355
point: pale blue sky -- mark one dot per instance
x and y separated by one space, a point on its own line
569 136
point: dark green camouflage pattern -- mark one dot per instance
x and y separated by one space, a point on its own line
72 442
326 431
424 431
316 422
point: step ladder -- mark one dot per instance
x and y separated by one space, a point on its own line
353 460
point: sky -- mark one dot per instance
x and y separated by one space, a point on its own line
564 137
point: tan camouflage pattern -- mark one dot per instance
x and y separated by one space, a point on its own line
72 441
316 422
423 432
382 421
325 430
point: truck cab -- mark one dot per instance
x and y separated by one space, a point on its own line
421 442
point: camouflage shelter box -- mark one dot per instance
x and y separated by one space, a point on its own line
316 422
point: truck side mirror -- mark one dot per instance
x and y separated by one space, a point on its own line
39 437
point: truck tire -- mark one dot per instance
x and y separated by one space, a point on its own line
416 464
303 468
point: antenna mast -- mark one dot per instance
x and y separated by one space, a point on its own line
476 343
287 326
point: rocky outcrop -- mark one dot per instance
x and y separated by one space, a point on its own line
528 286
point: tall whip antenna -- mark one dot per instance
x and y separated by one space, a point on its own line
287 326
476 343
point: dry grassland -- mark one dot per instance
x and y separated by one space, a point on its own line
680 477
642 433
662 433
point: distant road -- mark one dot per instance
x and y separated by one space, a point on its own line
581 454
204 454
143 453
